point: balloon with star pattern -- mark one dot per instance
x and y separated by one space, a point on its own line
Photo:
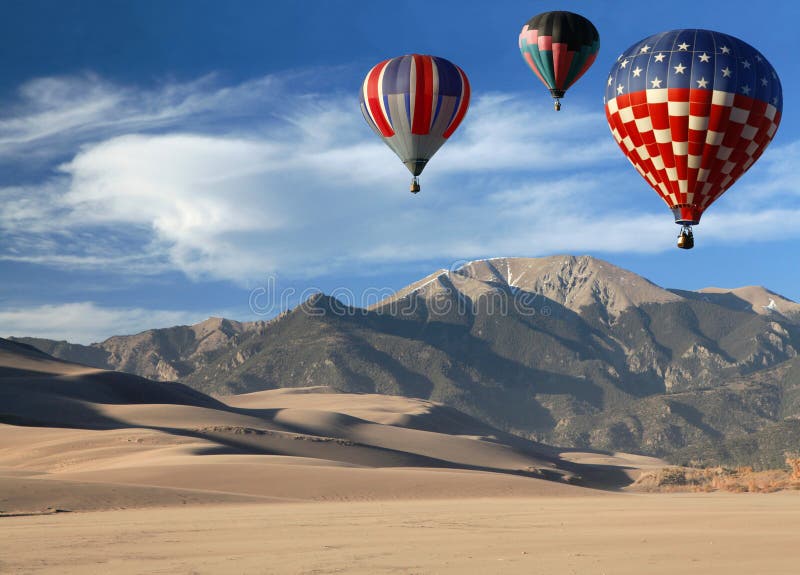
692 110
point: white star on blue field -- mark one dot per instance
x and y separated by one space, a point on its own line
161 159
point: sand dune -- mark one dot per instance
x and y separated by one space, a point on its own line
21 359
82 427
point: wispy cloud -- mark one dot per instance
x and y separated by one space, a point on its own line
236 182
53 115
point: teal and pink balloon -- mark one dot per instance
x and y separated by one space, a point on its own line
559 47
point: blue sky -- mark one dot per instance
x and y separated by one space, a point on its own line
161 159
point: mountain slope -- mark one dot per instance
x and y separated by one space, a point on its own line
161 354
758 299
566 350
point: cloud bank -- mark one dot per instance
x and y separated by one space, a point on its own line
235 182
86 322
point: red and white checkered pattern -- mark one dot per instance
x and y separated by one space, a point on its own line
691 145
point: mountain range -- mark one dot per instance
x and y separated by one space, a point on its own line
565 350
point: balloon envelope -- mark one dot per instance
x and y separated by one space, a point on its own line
414 103
559 47
692 110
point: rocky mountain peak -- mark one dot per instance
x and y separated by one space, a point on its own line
214 324
320 304
572 281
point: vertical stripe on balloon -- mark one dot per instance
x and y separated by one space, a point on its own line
375 104
423 97
462 107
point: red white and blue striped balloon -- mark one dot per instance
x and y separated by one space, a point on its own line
414 103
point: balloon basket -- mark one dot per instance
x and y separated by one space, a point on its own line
686 238
414 189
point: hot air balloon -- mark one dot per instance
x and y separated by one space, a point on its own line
414 103
559 47
692 110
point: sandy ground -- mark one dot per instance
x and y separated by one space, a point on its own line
103 472
617 534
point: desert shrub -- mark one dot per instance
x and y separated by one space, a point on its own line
738 480
673 476
793 461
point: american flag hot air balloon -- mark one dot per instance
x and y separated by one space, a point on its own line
692 110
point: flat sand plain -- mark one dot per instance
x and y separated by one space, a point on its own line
616 534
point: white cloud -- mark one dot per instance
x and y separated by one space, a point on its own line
760 224
237 182
509 132
52 115
86 322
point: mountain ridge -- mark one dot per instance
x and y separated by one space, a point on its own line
568 350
